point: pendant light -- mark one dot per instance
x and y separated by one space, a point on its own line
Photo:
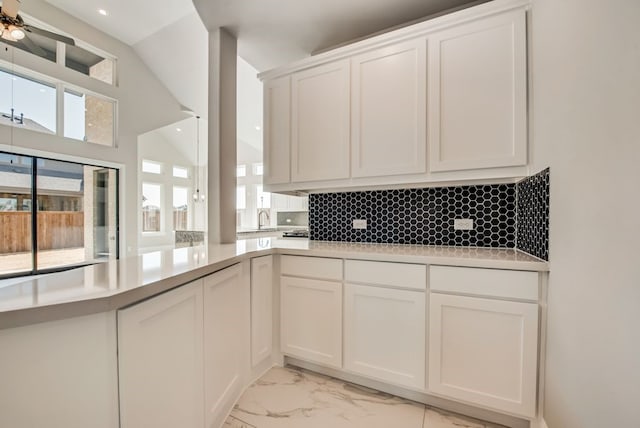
197 195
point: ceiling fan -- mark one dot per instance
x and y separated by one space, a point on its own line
14 29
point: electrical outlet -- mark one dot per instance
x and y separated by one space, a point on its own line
359 224
463 224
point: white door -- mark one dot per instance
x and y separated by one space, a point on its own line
160 360
477 94
311 320
484 352
277 130
320 123
388 115
261 309
227 341
384 334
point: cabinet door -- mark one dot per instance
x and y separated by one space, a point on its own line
320 123
226 343
388 115
385 334
477 92
261 309
484 352
160 360
277 130
311 320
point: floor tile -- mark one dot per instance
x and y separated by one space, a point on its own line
436 418
294 398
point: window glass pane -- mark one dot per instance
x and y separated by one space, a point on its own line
258 169
241 197
264 198
36 44
88 118
180 208
27 103
151 167
180 172
241 171
76 213
151 207
89 63
15 214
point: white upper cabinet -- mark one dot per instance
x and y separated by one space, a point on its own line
320 123
477 94
277 130
388 92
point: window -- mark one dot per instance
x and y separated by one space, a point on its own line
180 208
88 118
87 61
27 103
241 197
151 207
75 214
258 169
180 172
151 167
241 171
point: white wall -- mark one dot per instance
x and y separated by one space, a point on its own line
586 126
144 104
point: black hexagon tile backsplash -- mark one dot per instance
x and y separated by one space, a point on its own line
418 216
532 215
426 216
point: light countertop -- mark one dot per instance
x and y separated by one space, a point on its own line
112 285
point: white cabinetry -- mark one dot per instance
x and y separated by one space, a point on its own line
226 343
60 374
161 360
311 309
320 123
477 94
277 130
261 309
484 351
384 327
388 92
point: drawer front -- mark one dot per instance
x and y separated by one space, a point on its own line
508 284
385 273
311 267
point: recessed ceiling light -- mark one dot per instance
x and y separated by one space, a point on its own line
258 127
103 12
179 129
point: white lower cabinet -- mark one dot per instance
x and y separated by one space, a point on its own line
161 360
226 341
311 320
184 355
484 352
261 309
384 334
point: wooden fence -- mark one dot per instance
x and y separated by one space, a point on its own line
56 230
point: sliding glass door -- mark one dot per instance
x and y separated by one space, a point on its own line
55 214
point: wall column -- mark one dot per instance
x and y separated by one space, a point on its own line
221 177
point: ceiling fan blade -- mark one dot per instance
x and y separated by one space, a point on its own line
49 34
35 49
10 8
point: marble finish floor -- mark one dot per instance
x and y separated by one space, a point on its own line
294 398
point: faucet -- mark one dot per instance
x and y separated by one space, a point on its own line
261 213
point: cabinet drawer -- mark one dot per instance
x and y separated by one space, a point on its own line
312 267
508 284
385 273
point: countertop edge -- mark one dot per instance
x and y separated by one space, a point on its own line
64 310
